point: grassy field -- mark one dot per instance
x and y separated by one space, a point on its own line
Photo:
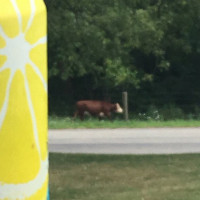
61 123
124 177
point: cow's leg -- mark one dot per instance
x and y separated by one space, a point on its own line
81 115
101 115
109 116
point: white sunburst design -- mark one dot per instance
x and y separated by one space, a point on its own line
17 51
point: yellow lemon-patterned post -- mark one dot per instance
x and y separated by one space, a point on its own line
23 100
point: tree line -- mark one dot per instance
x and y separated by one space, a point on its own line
99 48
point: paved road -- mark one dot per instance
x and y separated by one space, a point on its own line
126 141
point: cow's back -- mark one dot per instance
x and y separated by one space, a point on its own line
93 106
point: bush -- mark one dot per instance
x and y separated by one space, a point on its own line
151 114
171 112
168 112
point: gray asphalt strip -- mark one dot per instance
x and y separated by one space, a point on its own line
125 141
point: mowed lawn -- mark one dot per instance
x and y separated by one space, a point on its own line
124 177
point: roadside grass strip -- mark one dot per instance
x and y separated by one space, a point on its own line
66 122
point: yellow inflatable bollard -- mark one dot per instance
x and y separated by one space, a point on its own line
23 100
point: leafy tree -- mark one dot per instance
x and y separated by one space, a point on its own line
150 48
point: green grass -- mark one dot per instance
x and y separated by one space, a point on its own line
62 123
124 177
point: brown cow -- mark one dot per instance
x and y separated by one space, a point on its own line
96 108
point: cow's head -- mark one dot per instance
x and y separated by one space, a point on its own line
118 108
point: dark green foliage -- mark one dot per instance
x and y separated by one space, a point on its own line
99 48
